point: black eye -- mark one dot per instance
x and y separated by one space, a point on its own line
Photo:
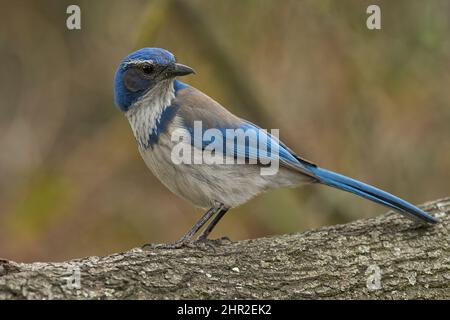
147 69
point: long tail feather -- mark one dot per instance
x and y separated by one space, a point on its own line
379 196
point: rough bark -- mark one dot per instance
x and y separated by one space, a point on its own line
386 257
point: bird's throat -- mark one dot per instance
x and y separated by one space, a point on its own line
145 114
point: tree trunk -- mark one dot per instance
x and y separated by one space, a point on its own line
387 257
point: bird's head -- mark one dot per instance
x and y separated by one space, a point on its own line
141 71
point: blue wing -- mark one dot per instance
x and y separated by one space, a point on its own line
192 105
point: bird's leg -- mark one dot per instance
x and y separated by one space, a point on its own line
184 240
204 236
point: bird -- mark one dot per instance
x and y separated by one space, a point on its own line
159 106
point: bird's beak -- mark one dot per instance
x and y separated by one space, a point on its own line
178 70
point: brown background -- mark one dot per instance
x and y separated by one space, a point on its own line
373 105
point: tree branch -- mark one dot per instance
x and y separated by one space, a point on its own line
384 257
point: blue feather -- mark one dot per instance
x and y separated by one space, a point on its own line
248 148
162 124
366 191
179 85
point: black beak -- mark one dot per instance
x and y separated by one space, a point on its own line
178 70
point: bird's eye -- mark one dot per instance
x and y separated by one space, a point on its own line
147 69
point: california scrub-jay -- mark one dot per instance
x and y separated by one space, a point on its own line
157 105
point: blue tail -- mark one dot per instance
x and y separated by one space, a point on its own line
363 190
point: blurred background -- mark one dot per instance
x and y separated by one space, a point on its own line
374 105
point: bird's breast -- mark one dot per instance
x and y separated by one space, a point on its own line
150 118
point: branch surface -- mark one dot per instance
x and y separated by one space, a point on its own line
385 257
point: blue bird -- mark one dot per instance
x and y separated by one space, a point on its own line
159 107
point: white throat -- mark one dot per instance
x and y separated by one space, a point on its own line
146 112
